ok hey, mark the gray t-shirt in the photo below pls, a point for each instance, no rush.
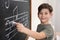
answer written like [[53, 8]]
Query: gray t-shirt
[[47, 28]]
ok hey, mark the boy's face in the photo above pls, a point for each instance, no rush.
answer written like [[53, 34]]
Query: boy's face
[[44, 15]]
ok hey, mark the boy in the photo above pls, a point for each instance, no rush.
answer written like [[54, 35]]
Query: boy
[[44, 30]]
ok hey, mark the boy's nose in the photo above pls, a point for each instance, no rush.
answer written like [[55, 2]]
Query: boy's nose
[[43, 15]]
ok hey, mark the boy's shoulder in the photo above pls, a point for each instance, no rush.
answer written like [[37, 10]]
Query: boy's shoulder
[[48, 26]]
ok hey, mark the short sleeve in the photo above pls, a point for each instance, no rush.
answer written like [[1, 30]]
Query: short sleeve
[[48, 31]]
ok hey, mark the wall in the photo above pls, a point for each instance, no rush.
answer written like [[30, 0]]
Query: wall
[[57, 16]]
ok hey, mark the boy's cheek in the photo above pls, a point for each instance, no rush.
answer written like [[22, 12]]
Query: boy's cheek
[[49, 16], [39, 17]]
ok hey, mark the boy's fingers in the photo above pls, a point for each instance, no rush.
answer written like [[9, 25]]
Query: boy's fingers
[[17, 23]]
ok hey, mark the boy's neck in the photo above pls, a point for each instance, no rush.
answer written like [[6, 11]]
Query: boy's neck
[[44, 22]]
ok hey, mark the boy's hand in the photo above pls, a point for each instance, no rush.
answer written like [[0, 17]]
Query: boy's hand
[[20, 27]]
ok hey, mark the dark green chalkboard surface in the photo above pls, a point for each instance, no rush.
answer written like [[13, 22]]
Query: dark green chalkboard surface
[[14, 10]]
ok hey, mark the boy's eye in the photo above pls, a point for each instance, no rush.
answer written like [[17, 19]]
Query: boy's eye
[[43, 13], [46, 13]]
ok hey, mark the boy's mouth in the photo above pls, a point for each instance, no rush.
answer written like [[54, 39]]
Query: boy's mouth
[[43, 18]]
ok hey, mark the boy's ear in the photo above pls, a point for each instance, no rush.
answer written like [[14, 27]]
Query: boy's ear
[[51, 13], [38, 16]]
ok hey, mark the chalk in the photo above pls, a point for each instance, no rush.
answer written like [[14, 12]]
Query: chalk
[[13, 22]]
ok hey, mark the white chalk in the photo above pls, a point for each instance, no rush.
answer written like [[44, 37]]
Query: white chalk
[[13, 22]]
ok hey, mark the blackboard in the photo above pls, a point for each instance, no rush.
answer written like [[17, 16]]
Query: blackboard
[[14, 10]]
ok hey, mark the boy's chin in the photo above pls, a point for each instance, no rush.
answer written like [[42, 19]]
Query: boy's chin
[[43, 21]]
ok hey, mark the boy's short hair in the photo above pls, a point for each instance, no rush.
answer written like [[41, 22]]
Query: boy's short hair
[[45, 6]]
